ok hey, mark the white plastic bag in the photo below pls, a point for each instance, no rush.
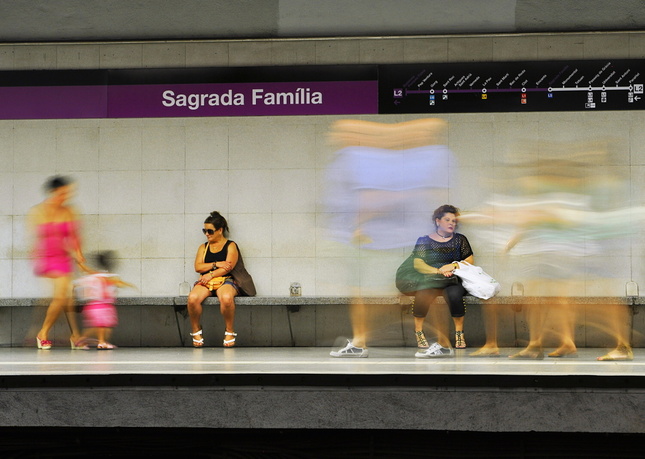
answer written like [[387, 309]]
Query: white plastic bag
[[476, 281]]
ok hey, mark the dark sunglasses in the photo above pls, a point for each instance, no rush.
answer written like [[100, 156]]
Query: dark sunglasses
[[208, 231]]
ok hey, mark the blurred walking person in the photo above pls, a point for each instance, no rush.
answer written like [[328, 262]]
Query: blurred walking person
[[56, 245]]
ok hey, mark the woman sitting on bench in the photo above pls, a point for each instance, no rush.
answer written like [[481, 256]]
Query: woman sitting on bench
[[222, 273]]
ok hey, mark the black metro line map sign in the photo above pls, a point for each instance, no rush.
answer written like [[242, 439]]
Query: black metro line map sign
[[512, 87]]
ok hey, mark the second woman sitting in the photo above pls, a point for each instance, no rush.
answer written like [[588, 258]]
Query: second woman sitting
[[437, 254], [222, 273]]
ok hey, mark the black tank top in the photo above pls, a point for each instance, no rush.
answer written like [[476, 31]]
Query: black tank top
[[211, 257]]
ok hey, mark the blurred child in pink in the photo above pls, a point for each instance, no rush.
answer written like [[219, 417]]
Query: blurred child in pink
[[99, 290]]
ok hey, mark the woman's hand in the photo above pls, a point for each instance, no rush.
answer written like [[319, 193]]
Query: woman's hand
[[227, 265], [447, 270], [205, 278], [84, 268], [79, 257]]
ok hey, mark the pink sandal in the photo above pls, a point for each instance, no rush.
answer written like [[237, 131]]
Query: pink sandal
[[81, 344], [43, 343]]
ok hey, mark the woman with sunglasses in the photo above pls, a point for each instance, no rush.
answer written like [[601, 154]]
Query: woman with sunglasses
[[222, 273]]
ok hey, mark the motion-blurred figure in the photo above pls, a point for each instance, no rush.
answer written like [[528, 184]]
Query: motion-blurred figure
[[99, 290], [54, 228], [554, 215], [381, 189]]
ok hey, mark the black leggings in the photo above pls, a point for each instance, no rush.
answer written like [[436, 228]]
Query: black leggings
[[453, 294]]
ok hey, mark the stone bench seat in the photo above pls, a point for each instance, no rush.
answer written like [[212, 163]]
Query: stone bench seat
[[304, 320], [328, 300]]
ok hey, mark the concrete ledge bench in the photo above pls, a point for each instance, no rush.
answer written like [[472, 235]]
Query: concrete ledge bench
[[301, 321], [157, 321], [328, 300]]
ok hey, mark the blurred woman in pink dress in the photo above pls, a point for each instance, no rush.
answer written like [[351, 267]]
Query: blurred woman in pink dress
[[54, 228]]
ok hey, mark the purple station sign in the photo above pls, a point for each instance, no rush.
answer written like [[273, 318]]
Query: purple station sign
[[199, 92], [243, 99], [52, 102]]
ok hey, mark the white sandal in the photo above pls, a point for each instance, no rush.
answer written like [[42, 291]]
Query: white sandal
[[229, 342], [197, 342]]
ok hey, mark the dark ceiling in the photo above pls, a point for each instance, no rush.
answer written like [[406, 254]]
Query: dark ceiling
[[137, 20]]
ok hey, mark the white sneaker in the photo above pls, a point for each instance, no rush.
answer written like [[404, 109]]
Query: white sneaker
[[350, 351], [435, 351]]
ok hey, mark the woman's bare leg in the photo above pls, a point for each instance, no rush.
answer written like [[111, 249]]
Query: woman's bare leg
[[459, 327], [195, 299], [490, 347], [564, 316], [535, 316], [60, 302], [618, 324], [226, 294], [360, 319]]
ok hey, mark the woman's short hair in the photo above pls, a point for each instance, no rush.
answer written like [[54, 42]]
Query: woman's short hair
[[443, 210], [216, 219]]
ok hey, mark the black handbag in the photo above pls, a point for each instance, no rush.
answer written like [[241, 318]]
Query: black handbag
[[409, 280]]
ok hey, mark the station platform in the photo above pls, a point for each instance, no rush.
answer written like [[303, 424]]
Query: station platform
[[287, 388], [300, 402]]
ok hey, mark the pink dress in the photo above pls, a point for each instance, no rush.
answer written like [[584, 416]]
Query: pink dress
[[55, 240], [100, 295]]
